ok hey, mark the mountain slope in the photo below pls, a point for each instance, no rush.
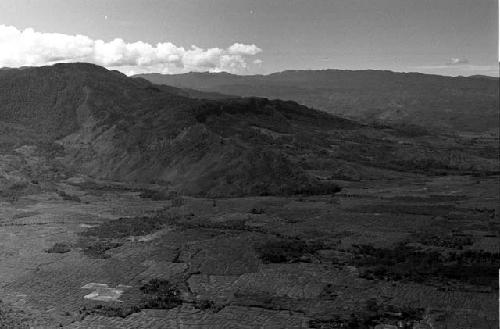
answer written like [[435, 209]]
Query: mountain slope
[[114, 127], [452, 103], [106, 125]]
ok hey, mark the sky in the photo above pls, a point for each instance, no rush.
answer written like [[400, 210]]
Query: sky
[[448, 37]]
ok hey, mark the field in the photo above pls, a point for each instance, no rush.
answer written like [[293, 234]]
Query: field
[[413, 252]]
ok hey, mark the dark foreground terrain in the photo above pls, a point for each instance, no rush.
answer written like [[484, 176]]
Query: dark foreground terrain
[[129, 205]]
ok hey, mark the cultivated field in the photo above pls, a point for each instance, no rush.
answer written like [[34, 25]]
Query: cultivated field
[[413, 252]]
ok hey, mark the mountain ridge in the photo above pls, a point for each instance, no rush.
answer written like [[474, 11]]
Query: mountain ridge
[[432, 101], [108, 126]]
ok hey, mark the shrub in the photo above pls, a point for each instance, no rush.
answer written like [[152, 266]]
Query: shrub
[[256, 211], [205, 304], [160, 294]]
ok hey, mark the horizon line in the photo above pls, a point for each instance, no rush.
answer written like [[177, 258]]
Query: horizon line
[[259, 74]]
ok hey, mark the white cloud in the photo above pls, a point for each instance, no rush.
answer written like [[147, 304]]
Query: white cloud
[[258, 61], [241, 49], [30, 48]]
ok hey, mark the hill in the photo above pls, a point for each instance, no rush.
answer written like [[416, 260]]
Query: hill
[[431, 101], [129, 204], [106, 125]]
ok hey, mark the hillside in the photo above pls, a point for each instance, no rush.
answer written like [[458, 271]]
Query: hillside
[[432, 101], [106, 125], [129, 204]]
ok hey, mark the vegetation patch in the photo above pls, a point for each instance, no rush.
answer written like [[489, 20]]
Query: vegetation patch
[[207, 305], [410, 264], [257, 211], [452, 241], [160, 294], [329, 292], [25, 214], [157, 195], [13, 192], [97, 249], [94, 186], [426, 210], [264, 300], [59, 248], [288, 251], [319, 189], [109, 310], [428, 199], [68, 197], [125, 227], [373, 314], [96, 241], [231, 224]]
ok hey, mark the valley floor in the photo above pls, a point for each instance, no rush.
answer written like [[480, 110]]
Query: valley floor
[[417, 252]]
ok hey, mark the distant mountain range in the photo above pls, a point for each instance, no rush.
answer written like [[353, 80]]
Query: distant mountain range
[[431, 101], [104, 124]]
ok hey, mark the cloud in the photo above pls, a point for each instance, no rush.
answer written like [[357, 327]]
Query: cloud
[[30, 48], [241, 49], [457, 61], [258, 61]]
